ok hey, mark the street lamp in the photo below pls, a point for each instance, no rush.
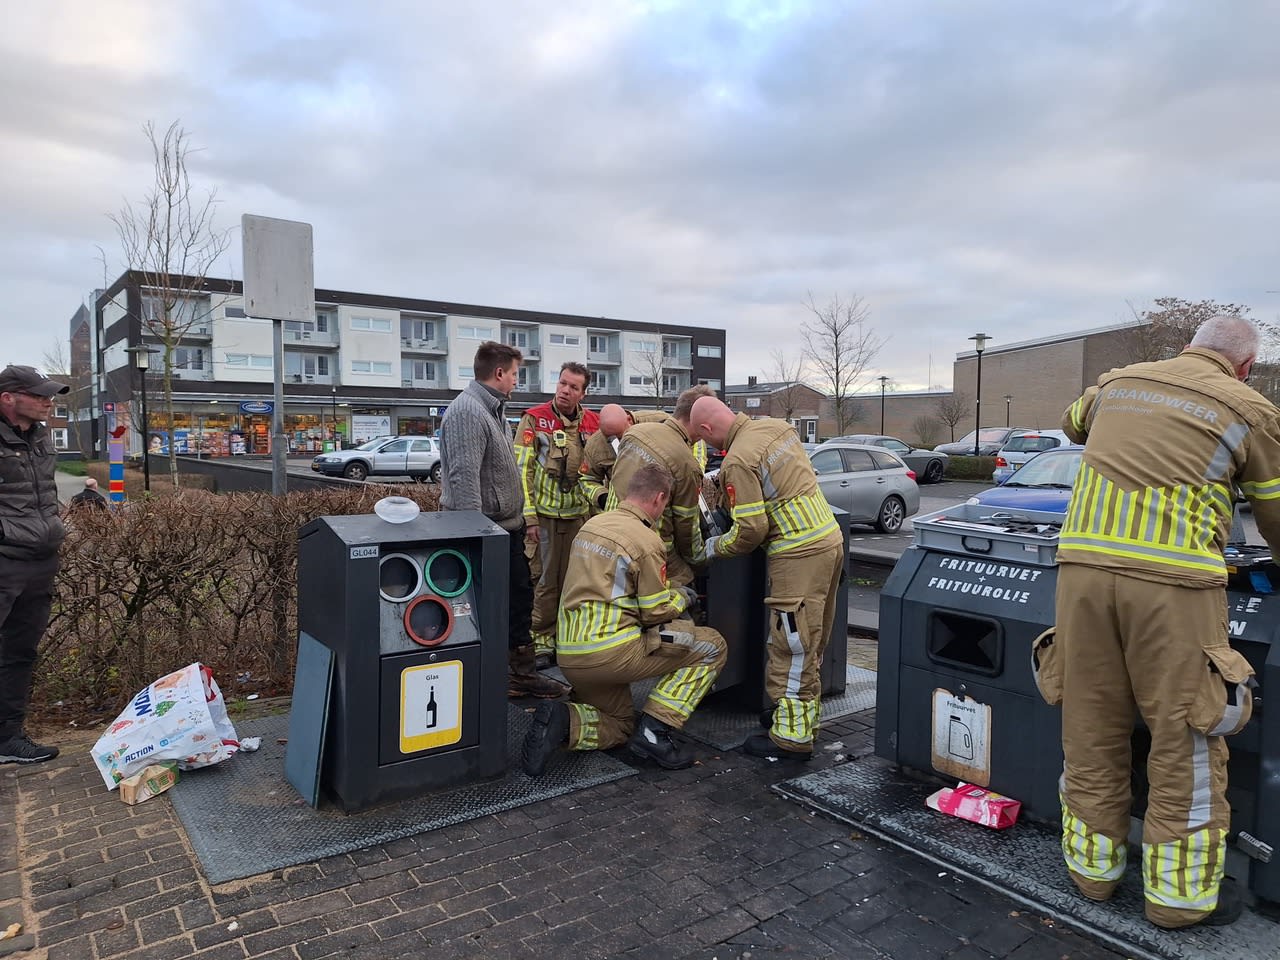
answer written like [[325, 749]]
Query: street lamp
[[335, 417], [142, 360], [883, 380], [1008, 400], [979, 344]]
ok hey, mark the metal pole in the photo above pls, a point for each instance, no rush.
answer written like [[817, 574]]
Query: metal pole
[[335, 417], [977, 413], [279, 442], [883, 381], [1008, 401], [146, 437]]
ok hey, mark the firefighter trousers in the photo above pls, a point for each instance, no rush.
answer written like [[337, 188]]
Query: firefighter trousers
[[802, 587], [602, 714], [554, 540], [1137, 647]]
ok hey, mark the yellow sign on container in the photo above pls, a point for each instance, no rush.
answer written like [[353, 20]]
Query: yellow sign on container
[[430, 706]]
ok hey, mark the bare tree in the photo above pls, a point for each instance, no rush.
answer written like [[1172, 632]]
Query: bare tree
[[952, 408], [839, 345], [168, 237], [57, 358], [1162, 332], [788, 374], [652, 365], [927, 430]]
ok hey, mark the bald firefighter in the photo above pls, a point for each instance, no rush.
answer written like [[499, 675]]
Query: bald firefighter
[[621, 621], [772, 494], [669, 444], [549, 443], [1141, 618], [599, 452]]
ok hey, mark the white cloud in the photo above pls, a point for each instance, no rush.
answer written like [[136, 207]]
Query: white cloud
[[1018, 167]]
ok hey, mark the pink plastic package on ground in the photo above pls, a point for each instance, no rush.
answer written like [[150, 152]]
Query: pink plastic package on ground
[[977, 804]]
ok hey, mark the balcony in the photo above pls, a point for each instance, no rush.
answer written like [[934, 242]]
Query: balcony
[[677, 360], [308, 378], [413, 345], [183, 373], [201, 331], [310, 338], [423, 385], [604, 358]]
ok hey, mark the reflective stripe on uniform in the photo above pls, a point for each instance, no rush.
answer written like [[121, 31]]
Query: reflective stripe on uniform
[[796, 721], [1077, 415], [792, 523], [1185, 874], [1172, 526], [1261, 489], [544, 496], [592, 627], [1090, 854], [588, 727], [682, 691]]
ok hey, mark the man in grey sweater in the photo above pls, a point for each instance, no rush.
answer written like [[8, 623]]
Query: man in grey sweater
[[478, 472]]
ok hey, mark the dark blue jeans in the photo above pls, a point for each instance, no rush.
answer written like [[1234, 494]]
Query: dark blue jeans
[[520, 589], [26, 594]]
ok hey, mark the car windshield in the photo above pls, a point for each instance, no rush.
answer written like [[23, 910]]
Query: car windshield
[[992, 435], [1057, 470], [373, 444], [1030, 444]]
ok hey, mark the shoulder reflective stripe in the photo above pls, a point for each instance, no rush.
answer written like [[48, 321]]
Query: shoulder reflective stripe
[[1077, 420], [1220, 465]]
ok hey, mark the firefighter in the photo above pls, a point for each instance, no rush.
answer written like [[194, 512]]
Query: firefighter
[[669, 444], [549, 443], [1141, 615], [621, 621], [600, 450], [771, 492]]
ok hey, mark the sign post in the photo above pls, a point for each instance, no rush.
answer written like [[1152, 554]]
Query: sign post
[[279, 285]]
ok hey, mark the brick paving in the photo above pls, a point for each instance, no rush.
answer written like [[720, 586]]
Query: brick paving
[[701, 863]]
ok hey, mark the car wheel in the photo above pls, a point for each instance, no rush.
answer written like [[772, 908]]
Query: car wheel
[[355, 471], [933, 471], [435, 474], [892, 512]]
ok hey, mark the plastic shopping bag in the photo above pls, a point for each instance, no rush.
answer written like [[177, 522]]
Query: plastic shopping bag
[[181, 717]]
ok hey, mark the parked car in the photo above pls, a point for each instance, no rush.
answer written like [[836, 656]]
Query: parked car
[[416, 457], [1043, 484], [990, 440], [872, 484], [929, 465], [1021, 447]]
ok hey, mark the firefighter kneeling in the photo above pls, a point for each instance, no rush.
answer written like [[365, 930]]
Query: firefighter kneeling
[[620, 621]]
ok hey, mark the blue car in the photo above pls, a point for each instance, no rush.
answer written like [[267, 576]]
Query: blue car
[[1043, 484]]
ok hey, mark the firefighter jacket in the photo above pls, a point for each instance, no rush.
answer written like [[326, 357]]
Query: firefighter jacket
[[599, 454], [30, 527], [667, 444], [549, 454], [1165, 443], [616, 590], [771, 491]]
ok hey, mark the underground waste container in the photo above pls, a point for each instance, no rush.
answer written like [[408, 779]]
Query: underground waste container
[[955, 695], [735, 590], [415, 615]]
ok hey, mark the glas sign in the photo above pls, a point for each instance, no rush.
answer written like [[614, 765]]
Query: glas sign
[[257, 406]]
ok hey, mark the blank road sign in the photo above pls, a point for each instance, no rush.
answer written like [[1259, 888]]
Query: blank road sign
[[279, 269]]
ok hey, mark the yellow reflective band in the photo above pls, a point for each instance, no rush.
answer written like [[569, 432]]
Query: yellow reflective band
[[1261, 489], [683, 690], [1077, 414], [796, 721], [1185, 874], [588, 727], [1090, 854], [749, 509]]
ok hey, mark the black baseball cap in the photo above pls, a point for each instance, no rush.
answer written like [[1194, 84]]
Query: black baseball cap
[[17, 378]]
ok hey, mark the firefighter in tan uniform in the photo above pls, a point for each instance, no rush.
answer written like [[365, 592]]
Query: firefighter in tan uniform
[[772, 494], [1141, 616], [669, 444], [549, 443], [621, 621], [600, 450]]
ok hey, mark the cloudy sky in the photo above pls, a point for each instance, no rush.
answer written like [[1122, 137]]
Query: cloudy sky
[[1020, 168]]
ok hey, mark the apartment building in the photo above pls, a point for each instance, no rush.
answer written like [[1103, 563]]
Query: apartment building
[[365, 365]]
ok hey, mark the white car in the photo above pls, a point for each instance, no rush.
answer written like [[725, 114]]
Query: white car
[[871, 483], [1024, 446], [416, 457]]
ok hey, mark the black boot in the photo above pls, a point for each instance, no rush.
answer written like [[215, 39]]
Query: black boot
[[766, 717], [652, 740], [524, 680], [20, 748], [762, 745], [549, 732], [1230, 906]]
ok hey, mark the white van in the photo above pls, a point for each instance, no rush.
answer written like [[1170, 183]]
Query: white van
[[1023, 446]]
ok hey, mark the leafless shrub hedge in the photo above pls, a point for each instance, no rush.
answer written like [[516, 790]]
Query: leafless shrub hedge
[[166, 581]]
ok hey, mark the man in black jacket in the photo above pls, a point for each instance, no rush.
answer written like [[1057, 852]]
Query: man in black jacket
[[30, 534], [89, 498]]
